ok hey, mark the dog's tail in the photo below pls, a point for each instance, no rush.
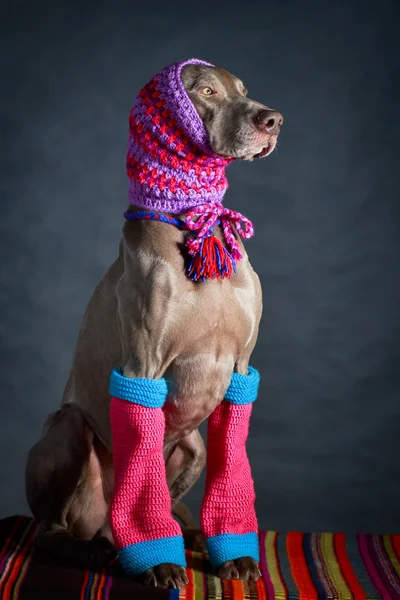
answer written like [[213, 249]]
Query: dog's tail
[[183, 513]]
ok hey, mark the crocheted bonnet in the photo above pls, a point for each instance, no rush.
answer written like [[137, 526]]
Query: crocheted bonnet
[[170, 164], [173, 169]]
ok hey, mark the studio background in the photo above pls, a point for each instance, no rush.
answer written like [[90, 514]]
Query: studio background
[[324, 438]]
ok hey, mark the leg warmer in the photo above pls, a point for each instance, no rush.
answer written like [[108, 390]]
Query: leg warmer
[[144, 530], [228, 518]]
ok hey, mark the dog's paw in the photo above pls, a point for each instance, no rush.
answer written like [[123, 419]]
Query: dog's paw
[[166, 575], [241, 568]]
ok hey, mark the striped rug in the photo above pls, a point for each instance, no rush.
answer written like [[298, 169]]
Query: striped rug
[[304, 566]]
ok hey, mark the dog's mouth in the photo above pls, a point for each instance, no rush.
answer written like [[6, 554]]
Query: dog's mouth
[[265, 151], [261, 148], [258, 149]]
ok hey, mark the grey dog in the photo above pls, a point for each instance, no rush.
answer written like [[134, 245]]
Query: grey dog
[[69, 474]]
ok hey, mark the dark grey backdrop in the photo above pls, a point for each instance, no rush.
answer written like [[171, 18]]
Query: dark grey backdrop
[[324, 441]]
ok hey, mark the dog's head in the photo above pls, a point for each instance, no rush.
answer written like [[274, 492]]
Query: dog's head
[[237, 127], [187, 124]]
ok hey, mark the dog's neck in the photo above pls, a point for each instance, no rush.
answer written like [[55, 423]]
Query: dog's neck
[[170, 165]]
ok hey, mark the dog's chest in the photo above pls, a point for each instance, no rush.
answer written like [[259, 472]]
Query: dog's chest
[[218, 315], [192, 333], [213, 329]]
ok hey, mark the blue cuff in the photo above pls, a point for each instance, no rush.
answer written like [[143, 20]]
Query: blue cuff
[[137, 558], [148, 392], [228, 546], [243, 389]]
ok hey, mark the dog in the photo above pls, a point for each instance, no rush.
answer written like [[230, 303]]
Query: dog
[[142, 316]]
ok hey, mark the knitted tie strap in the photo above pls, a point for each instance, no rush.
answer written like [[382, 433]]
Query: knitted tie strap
[[147, 215], [228, 518], [144, 531], [207, 215], [210, 259]]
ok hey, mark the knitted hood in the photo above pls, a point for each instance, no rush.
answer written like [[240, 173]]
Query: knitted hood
[[170, 164]]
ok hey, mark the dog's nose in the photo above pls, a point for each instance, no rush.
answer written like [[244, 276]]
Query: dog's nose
[[270, 119]]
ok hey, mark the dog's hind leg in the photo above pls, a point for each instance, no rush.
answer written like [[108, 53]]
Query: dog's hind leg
[[65, 490]]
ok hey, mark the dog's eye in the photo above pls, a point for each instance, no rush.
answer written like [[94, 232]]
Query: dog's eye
[[207, 91]]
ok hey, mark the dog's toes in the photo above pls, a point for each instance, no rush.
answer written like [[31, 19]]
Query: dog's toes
[[166, 575], [241, 568], [149, 578], [248, 569], [228, 570]]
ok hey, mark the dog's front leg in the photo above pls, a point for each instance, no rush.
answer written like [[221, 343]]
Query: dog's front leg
[[149, 540], [228, 517]]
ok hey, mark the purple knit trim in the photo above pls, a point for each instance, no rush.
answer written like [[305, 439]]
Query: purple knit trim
[[175, 95], [165, 201]]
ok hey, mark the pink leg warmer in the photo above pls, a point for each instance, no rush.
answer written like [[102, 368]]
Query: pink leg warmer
[[144, 530], [228, 517]]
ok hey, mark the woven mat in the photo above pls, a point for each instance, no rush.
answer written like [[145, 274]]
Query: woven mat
[[294, 565]]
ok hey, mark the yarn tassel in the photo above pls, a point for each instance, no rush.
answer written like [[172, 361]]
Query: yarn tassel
[[212, 260]]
